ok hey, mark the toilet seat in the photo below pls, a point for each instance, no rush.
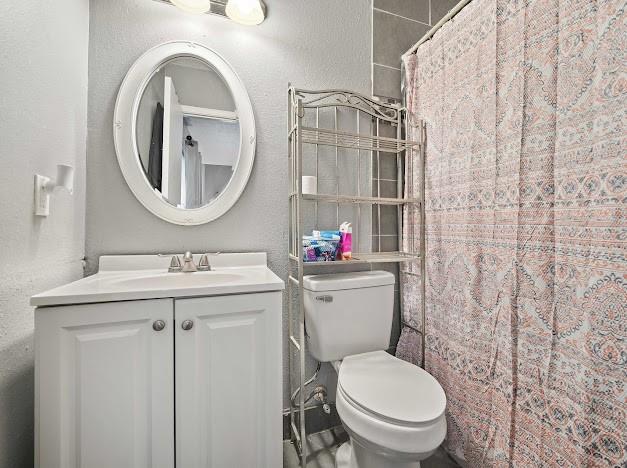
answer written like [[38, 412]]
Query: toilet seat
[[390, 389], [391, 404]]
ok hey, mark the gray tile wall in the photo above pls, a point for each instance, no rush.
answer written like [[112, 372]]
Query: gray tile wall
[[384, 184], [385, 218], [396, 26]]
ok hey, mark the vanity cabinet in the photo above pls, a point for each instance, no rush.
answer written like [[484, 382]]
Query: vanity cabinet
[[132, 383], [104, 395], [228, 381]]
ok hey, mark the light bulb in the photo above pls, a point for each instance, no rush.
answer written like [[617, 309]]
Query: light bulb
[[248, 12], [193, 6]]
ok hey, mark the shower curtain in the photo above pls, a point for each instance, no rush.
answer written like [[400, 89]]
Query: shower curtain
[[526, 185]]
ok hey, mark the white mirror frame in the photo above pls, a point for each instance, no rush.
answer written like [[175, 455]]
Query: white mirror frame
[[125, 128]]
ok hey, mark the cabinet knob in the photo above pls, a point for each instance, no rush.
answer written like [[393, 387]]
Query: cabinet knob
[[158, 325], [187, 324]]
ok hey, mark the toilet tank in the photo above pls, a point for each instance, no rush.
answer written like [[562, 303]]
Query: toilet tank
[[348, 313]]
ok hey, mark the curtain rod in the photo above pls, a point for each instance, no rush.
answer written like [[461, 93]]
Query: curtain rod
[[456, 9]]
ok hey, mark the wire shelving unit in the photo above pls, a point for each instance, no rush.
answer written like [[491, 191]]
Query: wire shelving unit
[[315, 119]]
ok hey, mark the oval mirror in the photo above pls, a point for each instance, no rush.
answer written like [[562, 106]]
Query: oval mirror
[[184, 133]]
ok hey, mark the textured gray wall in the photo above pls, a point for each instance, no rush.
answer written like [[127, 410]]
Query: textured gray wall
[[43, 112], [313, 44]]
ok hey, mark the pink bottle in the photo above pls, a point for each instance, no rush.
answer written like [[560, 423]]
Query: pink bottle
[[346, 242]]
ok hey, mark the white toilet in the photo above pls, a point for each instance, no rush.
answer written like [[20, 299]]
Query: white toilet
[[392, 410]]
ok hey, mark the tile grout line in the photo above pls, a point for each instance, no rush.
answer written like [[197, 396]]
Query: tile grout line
[[372, 47], [400, 16], [386, 66]]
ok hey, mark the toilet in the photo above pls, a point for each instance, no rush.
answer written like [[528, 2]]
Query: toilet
[[393, 411]]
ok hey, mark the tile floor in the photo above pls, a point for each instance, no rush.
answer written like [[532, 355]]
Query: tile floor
[[322, 447]]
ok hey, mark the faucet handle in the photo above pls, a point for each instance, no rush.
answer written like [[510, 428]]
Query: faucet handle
[[203, 264], [188, 256], [175, 264]]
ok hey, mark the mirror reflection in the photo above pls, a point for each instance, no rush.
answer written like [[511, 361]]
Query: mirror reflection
[[188, 134]]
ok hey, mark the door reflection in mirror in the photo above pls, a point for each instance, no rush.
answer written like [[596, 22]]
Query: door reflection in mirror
[[188, 133]]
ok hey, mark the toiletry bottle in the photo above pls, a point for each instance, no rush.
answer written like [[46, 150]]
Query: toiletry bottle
[[346, 242]]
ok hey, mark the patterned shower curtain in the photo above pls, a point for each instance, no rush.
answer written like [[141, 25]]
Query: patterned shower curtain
[[526, 185]]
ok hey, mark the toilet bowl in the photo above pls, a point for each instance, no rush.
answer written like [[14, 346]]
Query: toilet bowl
[[392, 410]]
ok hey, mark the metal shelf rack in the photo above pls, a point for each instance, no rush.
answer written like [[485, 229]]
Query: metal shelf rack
[[314, 121]]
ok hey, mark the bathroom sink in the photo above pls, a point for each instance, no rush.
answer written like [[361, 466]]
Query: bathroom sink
[[169, 280], [133, 277]]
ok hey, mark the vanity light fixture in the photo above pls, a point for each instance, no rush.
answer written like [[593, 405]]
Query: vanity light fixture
[[193, 6], [248, 12]]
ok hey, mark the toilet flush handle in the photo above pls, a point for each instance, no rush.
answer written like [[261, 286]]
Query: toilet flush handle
[[325, 298]]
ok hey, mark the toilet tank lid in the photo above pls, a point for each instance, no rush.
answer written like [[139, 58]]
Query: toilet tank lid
[[353, 280]]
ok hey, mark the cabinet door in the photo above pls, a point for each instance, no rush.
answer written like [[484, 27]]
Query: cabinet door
[[104, 381], [228, 381]]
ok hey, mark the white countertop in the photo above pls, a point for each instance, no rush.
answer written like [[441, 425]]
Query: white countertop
[[133, 277]]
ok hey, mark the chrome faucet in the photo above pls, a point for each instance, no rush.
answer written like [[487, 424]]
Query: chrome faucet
[[188, 265]]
